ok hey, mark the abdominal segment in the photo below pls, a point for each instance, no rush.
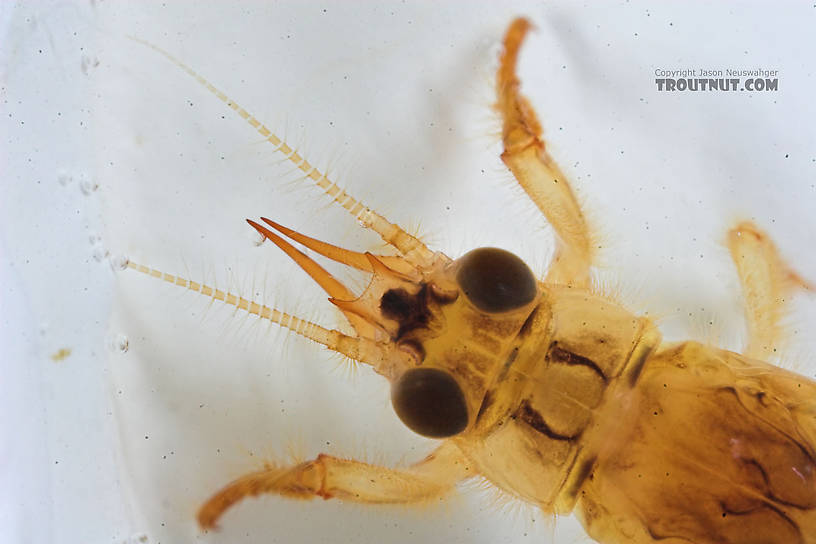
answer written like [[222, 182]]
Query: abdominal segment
[[721, 452]]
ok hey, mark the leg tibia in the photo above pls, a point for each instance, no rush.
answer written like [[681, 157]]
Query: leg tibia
[[330, 477], [537, 173]]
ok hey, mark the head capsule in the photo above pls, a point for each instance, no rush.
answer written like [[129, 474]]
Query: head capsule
[[439, 330], [457, 327]]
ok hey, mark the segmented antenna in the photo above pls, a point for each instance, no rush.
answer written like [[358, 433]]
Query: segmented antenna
[[360, 349], [409, 246]]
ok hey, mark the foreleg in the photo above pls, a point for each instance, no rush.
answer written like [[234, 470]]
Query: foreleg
[[537, 173], [348, 480]]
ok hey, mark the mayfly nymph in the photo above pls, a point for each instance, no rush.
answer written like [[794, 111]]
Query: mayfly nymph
[[551, 392]]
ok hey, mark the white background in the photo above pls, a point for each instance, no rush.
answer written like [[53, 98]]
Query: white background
[[108, 149]]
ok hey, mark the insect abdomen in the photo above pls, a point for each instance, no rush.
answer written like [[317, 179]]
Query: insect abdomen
[[721, 452]]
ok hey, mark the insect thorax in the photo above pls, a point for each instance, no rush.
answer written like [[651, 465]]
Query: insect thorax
[[578, 356]]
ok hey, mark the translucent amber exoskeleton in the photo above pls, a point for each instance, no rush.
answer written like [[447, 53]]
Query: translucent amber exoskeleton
[[547, 389]]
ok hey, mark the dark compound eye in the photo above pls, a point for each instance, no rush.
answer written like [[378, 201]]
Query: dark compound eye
[[495, 280], [430, 403]]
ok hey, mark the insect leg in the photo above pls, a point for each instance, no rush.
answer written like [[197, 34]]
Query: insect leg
[[536, 172], [349, 480], [766, 282]]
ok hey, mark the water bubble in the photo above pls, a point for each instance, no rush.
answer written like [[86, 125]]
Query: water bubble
[[257, 238], [100, 253], [88, 62], [119, 343], [119, 263], [88, 186], [64, 178]]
